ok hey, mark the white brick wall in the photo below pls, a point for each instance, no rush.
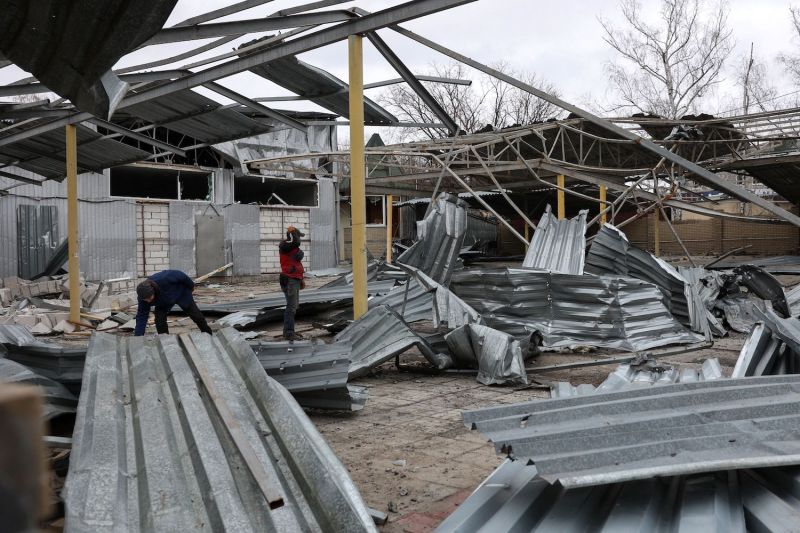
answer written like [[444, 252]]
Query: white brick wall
[[152, 238], [273, 223]]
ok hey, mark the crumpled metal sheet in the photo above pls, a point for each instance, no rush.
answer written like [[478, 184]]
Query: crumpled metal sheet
[[629, 375], [313, 372], [16, 335], [441, 235], [422, 298], [57, 399], [307, 296], [773, 347], [378, 336], [496, 355], [558, 245], [515, 498], [678, 429], [612, 254], [51, 360], [765, 286], [154, 446], [707, 283], [793, 300], [739, 311], [567, 310]]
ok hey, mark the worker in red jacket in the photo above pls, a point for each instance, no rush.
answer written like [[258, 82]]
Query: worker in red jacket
[[291, 278]]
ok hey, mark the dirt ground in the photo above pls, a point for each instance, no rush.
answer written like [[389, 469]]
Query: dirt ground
[[408, 451]]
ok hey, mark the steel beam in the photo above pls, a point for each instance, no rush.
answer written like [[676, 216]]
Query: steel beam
[[137, 77], [420, 77], [221, 12], [240, 27], [138, 136], [708, 176], [22, 178], [307, 7], [371, 22], [255, 106], [412, 81]]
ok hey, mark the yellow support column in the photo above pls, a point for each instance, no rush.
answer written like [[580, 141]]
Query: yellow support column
[[72, 225], [603, 217], [389, 200], [657, 235], [357, 171], [561, 207]]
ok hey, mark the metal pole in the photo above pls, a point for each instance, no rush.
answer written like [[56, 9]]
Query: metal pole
[[560, 194], [357, 175], [388, 228], [603, 217], [72, 225]]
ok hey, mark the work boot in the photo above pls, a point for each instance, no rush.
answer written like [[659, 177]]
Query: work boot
[[292, 336]]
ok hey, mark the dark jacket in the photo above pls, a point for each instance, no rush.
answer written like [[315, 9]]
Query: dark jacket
[[174, 287], [291, 256]]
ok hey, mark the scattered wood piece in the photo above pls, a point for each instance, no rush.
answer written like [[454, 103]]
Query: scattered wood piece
[[213, 273]]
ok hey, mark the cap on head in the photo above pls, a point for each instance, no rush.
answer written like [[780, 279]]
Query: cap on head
[[145, 290], [292, 229]]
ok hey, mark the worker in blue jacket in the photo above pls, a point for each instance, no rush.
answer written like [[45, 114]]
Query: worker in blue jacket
[[164, 290]]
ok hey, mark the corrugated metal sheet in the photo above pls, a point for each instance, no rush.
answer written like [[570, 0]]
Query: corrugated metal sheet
[[421, 298], [441, 235], [378, 336], [174, 434], [322, 220], [198, 117], [315, 373], [319, 86], [514, 498], [51, 193], [611, 253], [223, 186], [45, 154], [793, 299], [37, 238], [772, 348], [57, 399], [558, 245], [181, 235], [496, 355], [107, 236], [676, 429], [480, 230], [567, 310], [278, 300], [242, 239], [629, 375]]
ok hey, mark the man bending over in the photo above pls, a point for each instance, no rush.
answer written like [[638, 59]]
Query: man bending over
[[163, 290]]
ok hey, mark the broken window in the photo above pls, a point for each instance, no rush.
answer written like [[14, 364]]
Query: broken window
[[267, 190], [376, 210], [135, 181]]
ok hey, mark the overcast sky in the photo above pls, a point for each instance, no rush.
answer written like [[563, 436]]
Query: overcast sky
[[559, 41]]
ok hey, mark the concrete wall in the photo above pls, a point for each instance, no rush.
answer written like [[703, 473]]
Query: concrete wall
[[152, 237], [273, 223]]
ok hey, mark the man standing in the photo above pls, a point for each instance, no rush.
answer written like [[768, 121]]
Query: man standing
[[164, 290], [291, 278]]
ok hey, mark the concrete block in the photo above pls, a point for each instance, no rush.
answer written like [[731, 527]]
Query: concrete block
[[41, 329], [6, 297], [64, 327]]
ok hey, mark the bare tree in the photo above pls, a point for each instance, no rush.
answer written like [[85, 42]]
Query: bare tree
[[671, 63], [508, 105], [489, 101], [792, 61], [753, 83], [460, 101]]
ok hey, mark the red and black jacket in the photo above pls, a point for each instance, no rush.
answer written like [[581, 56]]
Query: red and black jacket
[[291, 256]]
